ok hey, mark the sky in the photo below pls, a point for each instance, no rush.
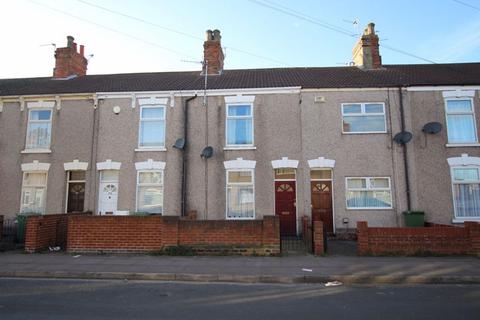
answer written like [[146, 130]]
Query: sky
[[167, 35]]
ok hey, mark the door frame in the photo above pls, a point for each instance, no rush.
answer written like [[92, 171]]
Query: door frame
[[296, 196], [68, 188], [333, 193]]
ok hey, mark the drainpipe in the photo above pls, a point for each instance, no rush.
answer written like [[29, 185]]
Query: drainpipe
[[404, 146], [184, 155]]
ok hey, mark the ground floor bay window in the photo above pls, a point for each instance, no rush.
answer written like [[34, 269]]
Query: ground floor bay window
[[240, 194], [34, 192], [466, 193]]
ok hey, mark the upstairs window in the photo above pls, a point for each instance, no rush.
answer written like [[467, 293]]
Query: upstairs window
[[363, 118], [369, 193], [39, 129], [152, 127], [461, 126], [240, 194], [34, 192], [240, 125]]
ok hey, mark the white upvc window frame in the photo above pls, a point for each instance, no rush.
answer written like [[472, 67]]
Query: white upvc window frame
[[45, 187], [141, 120], [364, 114], [456, 218], [251, 116], [162, 185], [369, 188], [30, 121], [227, 184], [472, 113]]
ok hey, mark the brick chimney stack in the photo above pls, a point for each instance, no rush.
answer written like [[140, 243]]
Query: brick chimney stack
[[213, 53], [68, 61], [366, 53]]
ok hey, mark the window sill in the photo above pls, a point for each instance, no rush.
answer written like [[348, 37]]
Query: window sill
[[453, 145], [376, 209], [227, 218], [369, 132], [459, 220], [150, 149], [36, 151], [240, 148]]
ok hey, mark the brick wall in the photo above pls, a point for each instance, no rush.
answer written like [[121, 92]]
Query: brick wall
[[411, 241], [45, 231], [318, 238], [155, 233], [1, 227]]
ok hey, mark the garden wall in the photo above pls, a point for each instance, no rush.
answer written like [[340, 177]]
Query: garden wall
[[43, 231], [155, 233], [414, 241]]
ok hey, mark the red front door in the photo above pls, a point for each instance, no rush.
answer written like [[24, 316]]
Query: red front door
[[285, 207], [322, 209]]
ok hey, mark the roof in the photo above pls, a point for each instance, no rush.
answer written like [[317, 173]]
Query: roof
[[330, 77]]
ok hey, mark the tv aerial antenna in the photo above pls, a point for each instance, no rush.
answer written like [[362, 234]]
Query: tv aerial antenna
[[355, 24], [204, 64]]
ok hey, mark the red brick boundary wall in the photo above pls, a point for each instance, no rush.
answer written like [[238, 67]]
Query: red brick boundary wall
[[117, 234], [412, 241], [1, 227], [43, 231], [318, 240]]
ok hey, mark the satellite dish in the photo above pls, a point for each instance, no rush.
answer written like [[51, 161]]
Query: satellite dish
[[180, 144], [403, 137], [207, 152], [432, 127]]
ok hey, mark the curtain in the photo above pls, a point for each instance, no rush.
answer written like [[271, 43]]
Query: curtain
[[239, 131], [240, 201], [369, 199], [461, 128], [467, 200]]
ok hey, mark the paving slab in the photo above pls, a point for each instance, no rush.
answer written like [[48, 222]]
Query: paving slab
[[289, 269]]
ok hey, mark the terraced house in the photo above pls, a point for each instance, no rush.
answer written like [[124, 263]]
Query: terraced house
[[341, 144]]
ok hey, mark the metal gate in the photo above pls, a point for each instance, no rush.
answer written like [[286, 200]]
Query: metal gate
[[298, 244], [12, 237]]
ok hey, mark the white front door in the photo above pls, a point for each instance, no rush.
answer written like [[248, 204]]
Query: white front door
[[108, 192]]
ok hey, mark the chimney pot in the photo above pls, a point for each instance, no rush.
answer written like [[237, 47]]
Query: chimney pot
[[70, 40], [82, 50], [370, 28], [208, 35], [216, 35]]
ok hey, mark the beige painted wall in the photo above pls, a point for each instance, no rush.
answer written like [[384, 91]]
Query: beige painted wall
[[71, 139], [431, 170], [286, 125]]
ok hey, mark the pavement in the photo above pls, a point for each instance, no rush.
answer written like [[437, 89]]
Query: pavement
[[286, 269]]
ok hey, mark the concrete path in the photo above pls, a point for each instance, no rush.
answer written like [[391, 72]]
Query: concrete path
[[290, 269]]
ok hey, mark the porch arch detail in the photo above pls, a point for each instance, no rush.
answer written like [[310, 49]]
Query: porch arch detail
[[109, 165], [35, 166], [150, 165], [321, 162], [75, 165], [464, 160], [239, 163], [285, 163]]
